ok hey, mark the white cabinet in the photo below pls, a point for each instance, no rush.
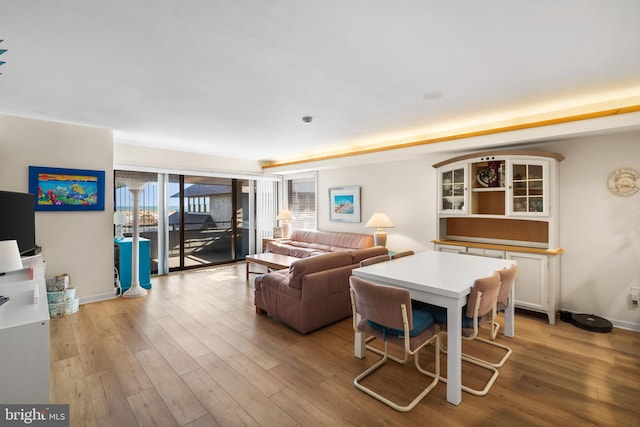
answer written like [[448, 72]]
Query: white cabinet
[[453, 186], [449, 248], [24, 338], [497, 185], [533, 290], [504, 203], [528, 188], [535, 287], [492, 253]]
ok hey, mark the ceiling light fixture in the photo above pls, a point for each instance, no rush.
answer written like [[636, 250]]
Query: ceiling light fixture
[[429, 96], [307, 119]]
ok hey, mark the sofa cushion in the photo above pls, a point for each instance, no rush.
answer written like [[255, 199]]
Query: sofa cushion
[[306, 243], [333, 239], [309, 265], [285, 248]]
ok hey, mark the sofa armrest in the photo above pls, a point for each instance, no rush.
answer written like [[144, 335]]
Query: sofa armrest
[[325, 298], [299, 269], [277, 279], [271, 288]]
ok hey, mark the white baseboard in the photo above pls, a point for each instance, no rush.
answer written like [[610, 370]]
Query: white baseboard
[[626, 325], [96, 298]]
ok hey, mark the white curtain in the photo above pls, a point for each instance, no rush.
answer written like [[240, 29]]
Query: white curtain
[[266, 210]]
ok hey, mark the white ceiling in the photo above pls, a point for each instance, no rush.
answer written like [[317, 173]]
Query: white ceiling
[[234, 78]]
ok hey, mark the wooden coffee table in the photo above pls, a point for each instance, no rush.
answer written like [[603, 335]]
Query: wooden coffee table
[[270, 260]]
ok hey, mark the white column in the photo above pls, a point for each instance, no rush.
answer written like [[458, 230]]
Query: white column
[[135, 290]]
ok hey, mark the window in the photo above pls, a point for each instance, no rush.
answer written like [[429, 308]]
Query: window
[[191, 220], [300, 198]]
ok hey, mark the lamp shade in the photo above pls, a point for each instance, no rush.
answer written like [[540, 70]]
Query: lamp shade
[[379, 220], [285, 214], [119, 218], [9, 256]]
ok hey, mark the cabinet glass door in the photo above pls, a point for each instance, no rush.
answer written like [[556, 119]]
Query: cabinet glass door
[[453, 189], [528, 188]]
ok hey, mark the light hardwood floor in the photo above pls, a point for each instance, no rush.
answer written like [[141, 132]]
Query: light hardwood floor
[[194, 353]]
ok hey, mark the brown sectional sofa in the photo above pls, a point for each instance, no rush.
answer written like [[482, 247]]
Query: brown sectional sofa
[[305, 243], [314, 291]]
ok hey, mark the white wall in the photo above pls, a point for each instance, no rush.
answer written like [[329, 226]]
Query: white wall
[[404, 190], [77, 243], [600, 232], [138, 157]]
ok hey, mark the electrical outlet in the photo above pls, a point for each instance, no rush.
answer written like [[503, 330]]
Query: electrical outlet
[[634, 293]]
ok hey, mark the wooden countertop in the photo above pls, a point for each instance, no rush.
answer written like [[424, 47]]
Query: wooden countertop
[[510, 248]]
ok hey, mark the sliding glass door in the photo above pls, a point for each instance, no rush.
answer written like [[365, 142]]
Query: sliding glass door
[[203, 221]]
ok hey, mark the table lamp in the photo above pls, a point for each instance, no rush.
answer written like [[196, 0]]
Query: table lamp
[[119, 219], [285, 216], [9, 256], [379, 220]]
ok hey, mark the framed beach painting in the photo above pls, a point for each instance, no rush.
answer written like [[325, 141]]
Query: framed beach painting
[[344, 204], [59, 189]]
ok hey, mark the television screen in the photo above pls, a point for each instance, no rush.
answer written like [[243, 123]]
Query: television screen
[[17, 220]]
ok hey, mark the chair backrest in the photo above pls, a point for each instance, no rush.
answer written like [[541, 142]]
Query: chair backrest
[[381, 304], [483, 296], [402, 254], [507, 278], [374, 260]]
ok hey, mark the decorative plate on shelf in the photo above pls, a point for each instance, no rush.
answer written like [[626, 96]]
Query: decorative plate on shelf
[[487, 177], [624, 182]]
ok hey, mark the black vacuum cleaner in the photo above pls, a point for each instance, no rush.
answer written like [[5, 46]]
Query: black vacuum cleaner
[[590, 322]]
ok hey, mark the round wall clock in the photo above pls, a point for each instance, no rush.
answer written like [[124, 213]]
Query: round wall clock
[[624, 182]]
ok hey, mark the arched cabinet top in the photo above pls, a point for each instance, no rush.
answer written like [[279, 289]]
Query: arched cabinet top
[[504, 153]]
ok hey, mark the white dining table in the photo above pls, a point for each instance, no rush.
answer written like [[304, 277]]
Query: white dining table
[[442, 279]]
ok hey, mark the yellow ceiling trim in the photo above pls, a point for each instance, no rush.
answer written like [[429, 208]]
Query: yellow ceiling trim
[[483, 132]]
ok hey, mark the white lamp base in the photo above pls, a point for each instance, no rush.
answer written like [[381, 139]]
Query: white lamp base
[[286, 229], [380, 238], [135, 291], [119, 232]]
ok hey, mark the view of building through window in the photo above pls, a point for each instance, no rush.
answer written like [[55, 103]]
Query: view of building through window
[[207, 218]]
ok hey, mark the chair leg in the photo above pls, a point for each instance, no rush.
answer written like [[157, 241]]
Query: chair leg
[[423, 393], [435, 374], [495, 327], [502, 360], [497, 364], [382, 353], [481, 363], [488, 385], [368, 371]]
